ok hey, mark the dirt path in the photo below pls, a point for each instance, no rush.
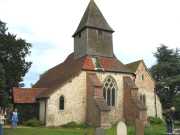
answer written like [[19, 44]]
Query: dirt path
[[9, 126], [176, 131]]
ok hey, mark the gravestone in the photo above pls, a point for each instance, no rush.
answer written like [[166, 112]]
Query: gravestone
[[121, 128], [139, 127], [100, 131]]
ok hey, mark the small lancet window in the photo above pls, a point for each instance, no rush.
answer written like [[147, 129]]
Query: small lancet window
[[141, 98], [61, 103]]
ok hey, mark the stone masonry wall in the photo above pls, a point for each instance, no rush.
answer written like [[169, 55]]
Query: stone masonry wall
[[146, 86], [143, 79], [150, 103], [74, 93]]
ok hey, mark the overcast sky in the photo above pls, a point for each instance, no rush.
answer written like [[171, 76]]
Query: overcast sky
[[140, 27]]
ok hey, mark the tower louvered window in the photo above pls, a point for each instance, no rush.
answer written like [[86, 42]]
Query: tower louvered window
[[110, 91]]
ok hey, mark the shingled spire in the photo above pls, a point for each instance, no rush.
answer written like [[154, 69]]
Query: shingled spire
[[93, 35], [93, 18]]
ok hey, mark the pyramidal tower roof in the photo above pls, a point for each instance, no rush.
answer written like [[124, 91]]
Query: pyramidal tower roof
[[93, 18]]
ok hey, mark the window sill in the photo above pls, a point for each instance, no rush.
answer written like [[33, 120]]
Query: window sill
[[61, 111]]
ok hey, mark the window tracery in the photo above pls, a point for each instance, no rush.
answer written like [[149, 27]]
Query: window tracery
[[110, 91]]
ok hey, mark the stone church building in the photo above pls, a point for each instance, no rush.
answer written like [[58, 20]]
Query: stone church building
[[92, 86]]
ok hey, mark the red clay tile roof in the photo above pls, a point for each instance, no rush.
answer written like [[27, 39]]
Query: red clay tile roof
[[26, 95], [61, 73], [71, 67], [113, 65], [134, 65]]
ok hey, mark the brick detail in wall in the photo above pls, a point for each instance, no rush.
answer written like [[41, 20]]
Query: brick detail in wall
[[97, 109], [133, 107]]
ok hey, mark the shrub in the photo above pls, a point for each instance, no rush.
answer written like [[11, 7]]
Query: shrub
[[75, 125], [33, 123], [156, 121]]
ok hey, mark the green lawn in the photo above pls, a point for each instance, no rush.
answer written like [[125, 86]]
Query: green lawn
[[155, 130], [47, 131], [151, 130]]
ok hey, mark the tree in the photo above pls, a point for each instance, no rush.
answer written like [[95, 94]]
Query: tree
[[176, 103], [13, 52], [167, 74], [3, 28], [2, 79]]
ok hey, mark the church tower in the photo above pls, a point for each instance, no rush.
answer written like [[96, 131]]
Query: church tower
[[93, 35]]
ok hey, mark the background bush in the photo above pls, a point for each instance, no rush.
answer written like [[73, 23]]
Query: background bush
[[156, 121], [33, 123], [75, 125]]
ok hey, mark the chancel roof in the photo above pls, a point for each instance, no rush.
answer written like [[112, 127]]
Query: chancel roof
[[71, 67]]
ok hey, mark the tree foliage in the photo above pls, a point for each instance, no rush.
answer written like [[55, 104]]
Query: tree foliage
[[167, 74], [2, 78], [13, 63], [176, 103]]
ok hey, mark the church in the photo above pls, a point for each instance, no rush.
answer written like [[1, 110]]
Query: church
[[92, 86]]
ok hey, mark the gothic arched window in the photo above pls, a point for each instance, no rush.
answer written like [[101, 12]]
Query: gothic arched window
[[144, 99], [61, 103], [109, 91]]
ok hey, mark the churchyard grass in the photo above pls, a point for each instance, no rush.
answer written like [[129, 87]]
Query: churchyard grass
[[154, 129], [47, 131]]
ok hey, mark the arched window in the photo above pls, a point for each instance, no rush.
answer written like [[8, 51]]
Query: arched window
[[109, 91], [141, 98], [144, 99], [61, 103]]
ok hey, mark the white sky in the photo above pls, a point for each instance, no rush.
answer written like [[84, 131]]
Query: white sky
[[140, 27]]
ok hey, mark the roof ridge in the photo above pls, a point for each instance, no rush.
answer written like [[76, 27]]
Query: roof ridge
[[135, 61]]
